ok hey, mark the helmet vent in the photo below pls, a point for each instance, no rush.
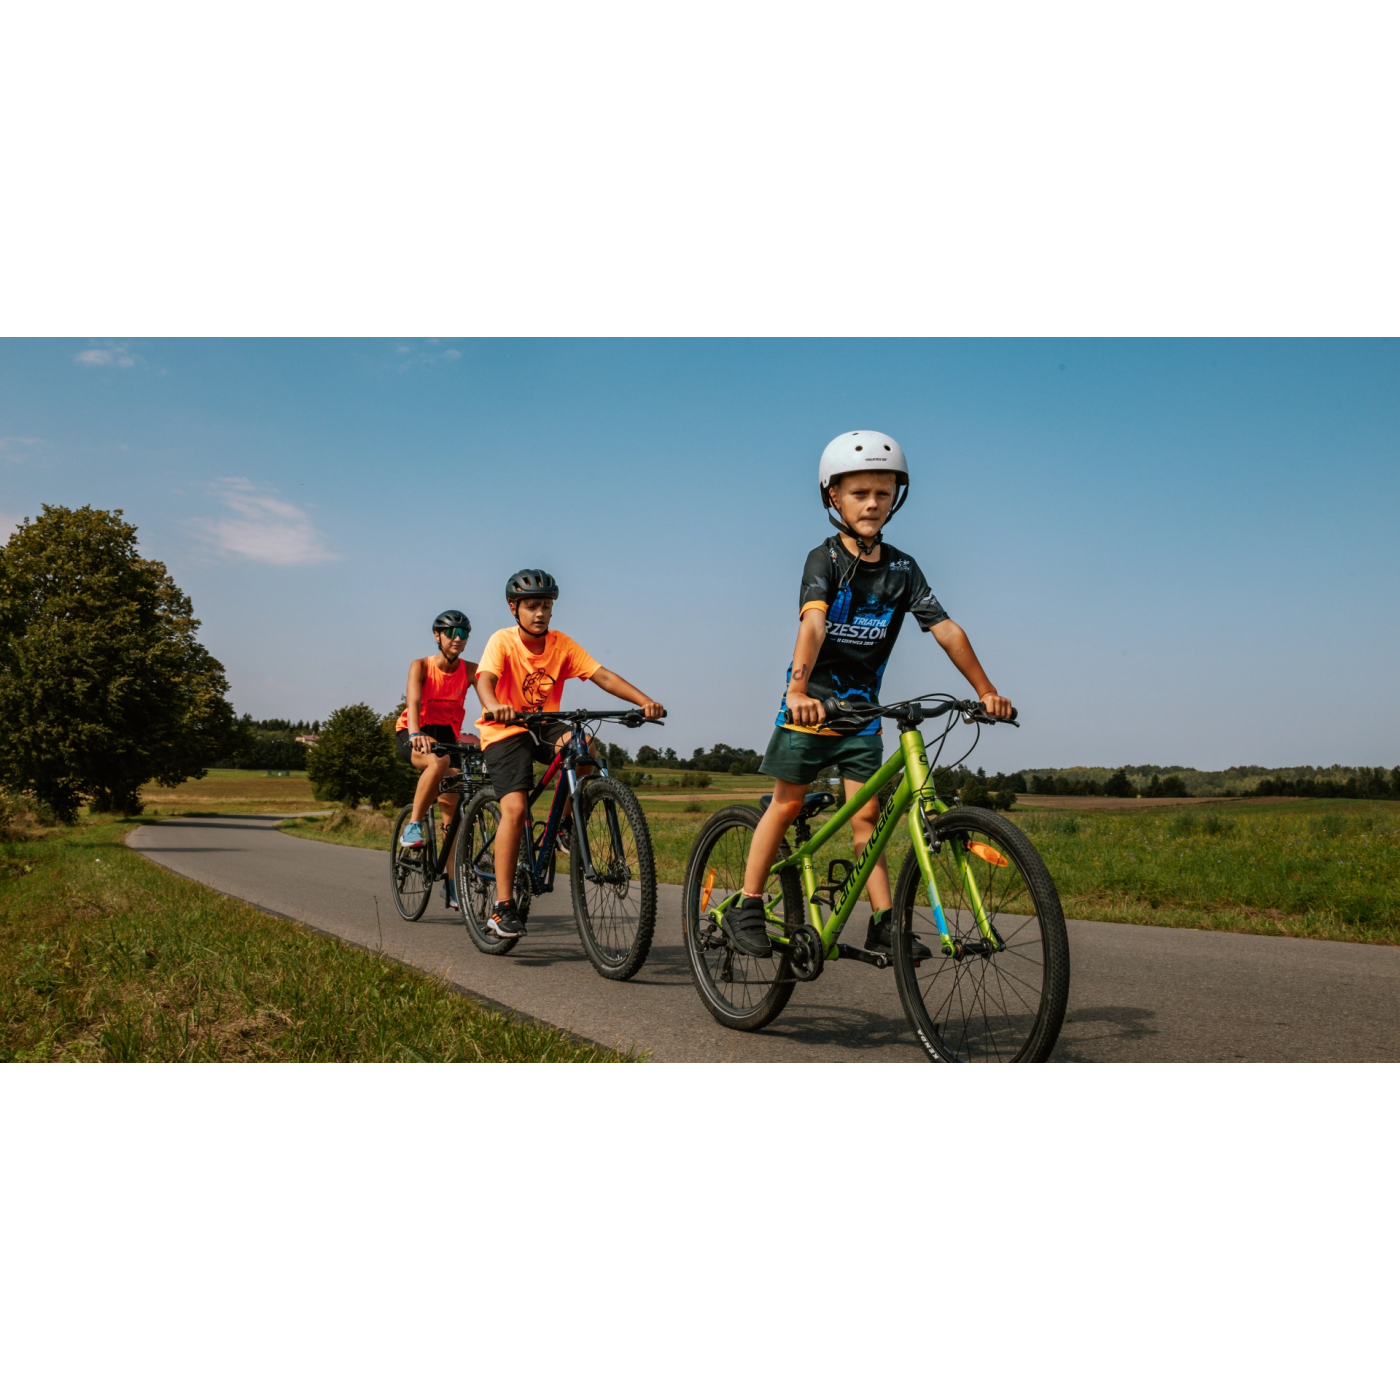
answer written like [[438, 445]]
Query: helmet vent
[[859, 448]]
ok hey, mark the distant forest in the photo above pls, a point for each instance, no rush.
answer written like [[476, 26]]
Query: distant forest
[[1151, 780], [267, 744]]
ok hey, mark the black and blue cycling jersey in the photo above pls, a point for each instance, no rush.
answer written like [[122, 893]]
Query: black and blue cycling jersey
[[865, 606]]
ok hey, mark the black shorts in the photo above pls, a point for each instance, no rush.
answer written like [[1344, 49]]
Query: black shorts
[[440, 733], [510, 763]]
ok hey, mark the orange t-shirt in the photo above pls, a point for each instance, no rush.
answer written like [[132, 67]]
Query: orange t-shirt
[[529, 682]]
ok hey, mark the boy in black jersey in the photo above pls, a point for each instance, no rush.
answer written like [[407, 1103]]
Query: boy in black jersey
[[855, 593]]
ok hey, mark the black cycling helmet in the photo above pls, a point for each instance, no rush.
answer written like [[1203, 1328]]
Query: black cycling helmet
[[531, 583], [452, 618]]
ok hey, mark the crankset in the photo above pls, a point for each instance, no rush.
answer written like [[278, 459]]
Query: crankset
[[806, 954]]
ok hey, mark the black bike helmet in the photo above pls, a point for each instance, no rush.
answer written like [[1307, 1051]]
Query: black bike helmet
[[452, 618], [531, 583]]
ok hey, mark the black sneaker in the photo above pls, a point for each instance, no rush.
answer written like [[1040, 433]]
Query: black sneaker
[[506, 922], [748, 929], [879, 938]]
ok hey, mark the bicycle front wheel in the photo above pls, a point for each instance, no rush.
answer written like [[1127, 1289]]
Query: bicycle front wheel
[[998, 995], [740, 992], [410, 872], [474, 869], [616, 909]]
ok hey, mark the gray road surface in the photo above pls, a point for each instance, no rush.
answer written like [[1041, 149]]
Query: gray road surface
[[1136, 993]]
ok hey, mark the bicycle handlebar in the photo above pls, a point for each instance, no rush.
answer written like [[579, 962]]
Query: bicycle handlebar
[[442, 750], [912, 711], [632, 719]]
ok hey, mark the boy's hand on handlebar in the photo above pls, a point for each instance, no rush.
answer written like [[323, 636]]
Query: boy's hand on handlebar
[[653, 709], [501, 714], [804, 710], [998, 706]]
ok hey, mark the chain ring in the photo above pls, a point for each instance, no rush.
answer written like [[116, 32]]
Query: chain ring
[[806, 954]]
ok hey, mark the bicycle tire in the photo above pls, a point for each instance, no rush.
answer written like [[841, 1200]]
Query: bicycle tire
[[410, 875], [1001, 1005], [616, 929], [476, 890], [749, 1000]]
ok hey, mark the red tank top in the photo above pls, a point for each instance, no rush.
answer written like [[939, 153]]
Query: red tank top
[[444, 698]]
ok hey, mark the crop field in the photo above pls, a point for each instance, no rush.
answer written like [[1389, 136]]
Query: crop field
[[106, 956], [230, 790]]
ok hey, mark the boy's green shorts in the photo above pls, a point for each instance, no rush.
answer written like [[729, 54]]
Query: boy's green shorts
[[798, 758]]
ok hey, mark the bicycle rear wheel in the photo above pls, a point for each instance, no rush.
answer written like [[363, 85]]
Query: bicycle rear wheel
[[740, 992], [616, 911], [410, 872], [474, 870], [993, 1001]]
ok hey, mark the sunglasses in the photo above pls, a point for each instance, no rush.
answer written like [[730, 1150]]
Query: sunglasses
[[455, 632]]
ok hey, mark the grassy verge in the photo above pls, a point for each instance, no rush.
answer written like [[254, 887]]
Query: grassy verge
[[1311, 869], [368, 830], [104, 956]]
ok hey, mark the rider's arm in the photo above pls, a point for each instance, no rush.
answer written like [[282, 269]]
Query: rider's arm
[[954, 641], [811, 633], [415, 697], [496, 712], [625, 690]]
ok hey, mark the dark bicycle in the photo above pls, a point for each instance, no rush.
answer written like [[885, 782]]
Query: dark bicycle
[[612, 875], [414, 871]]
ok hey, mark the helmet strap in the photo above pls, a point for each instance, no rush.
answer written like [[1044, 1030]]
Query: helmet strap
[[836, 519]]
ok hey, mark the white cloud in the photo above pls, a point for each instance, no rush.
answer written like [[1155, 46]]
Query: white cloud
[[118, 355], [262, 526], [14, 450]]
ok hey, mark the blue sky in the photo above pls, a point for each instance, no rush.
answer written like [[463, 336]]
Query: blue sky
[[1164, 551]]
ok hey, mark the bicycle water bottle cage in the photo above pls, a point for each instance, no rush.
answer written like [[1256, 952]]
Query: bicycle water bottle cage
[[835, 879]]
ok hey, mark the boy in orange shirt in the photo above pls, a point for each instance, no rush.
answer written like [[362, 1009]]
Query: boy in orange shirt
[[523, 670]]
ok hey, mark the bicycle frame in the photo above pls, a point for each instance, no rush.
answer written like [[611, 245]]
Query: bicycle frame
[[461, 786], [912, 758], [540, 857]]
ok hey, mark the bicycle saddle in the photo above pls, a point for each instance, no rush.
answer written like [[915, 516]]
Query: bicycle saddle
[[811, 804]]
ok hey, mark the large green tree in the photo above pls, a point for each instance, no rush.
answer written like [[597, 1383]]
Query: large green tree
[[354, 760], [103, 686]]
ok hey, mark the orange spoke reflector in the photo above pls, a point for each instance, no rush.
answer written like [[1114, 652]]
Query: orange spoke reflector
[[992, 857], [705, 894]]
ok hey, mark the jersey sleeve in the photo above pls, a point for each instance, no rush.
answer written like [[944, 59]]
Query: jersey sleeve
[[818, 581], [927, 610], [577, 662], [493, 658]]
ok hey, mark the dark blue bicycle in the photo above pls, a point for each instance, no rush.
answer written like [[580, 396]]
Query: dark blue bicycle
[[612, 875]]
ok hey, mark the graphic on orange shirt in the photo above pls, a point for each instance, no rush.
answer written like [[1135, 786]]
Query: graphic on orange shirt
[[536, 688]]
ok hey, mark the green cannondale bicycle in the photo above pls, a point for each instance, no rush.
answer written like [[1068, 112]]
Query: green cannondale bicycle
[[972, 888]]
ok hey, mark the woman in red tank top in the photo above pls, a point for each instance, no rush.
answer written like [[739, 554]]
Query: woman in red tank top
[[437, 703]]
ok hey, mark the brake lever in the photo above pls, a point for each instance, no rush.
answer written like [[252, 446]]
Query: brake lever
[[977, 714]]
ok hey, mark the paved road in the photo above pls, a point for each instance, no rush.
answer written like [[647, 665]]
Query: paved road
[[1137, 993]]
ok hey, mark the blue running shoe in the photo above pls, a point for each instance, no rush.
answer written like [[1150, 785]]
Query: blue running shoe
[[412, 837]]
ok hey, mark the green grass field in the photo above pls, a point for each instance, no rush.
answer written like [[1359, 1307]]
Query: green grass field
[[105, 956], [231, 790]]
